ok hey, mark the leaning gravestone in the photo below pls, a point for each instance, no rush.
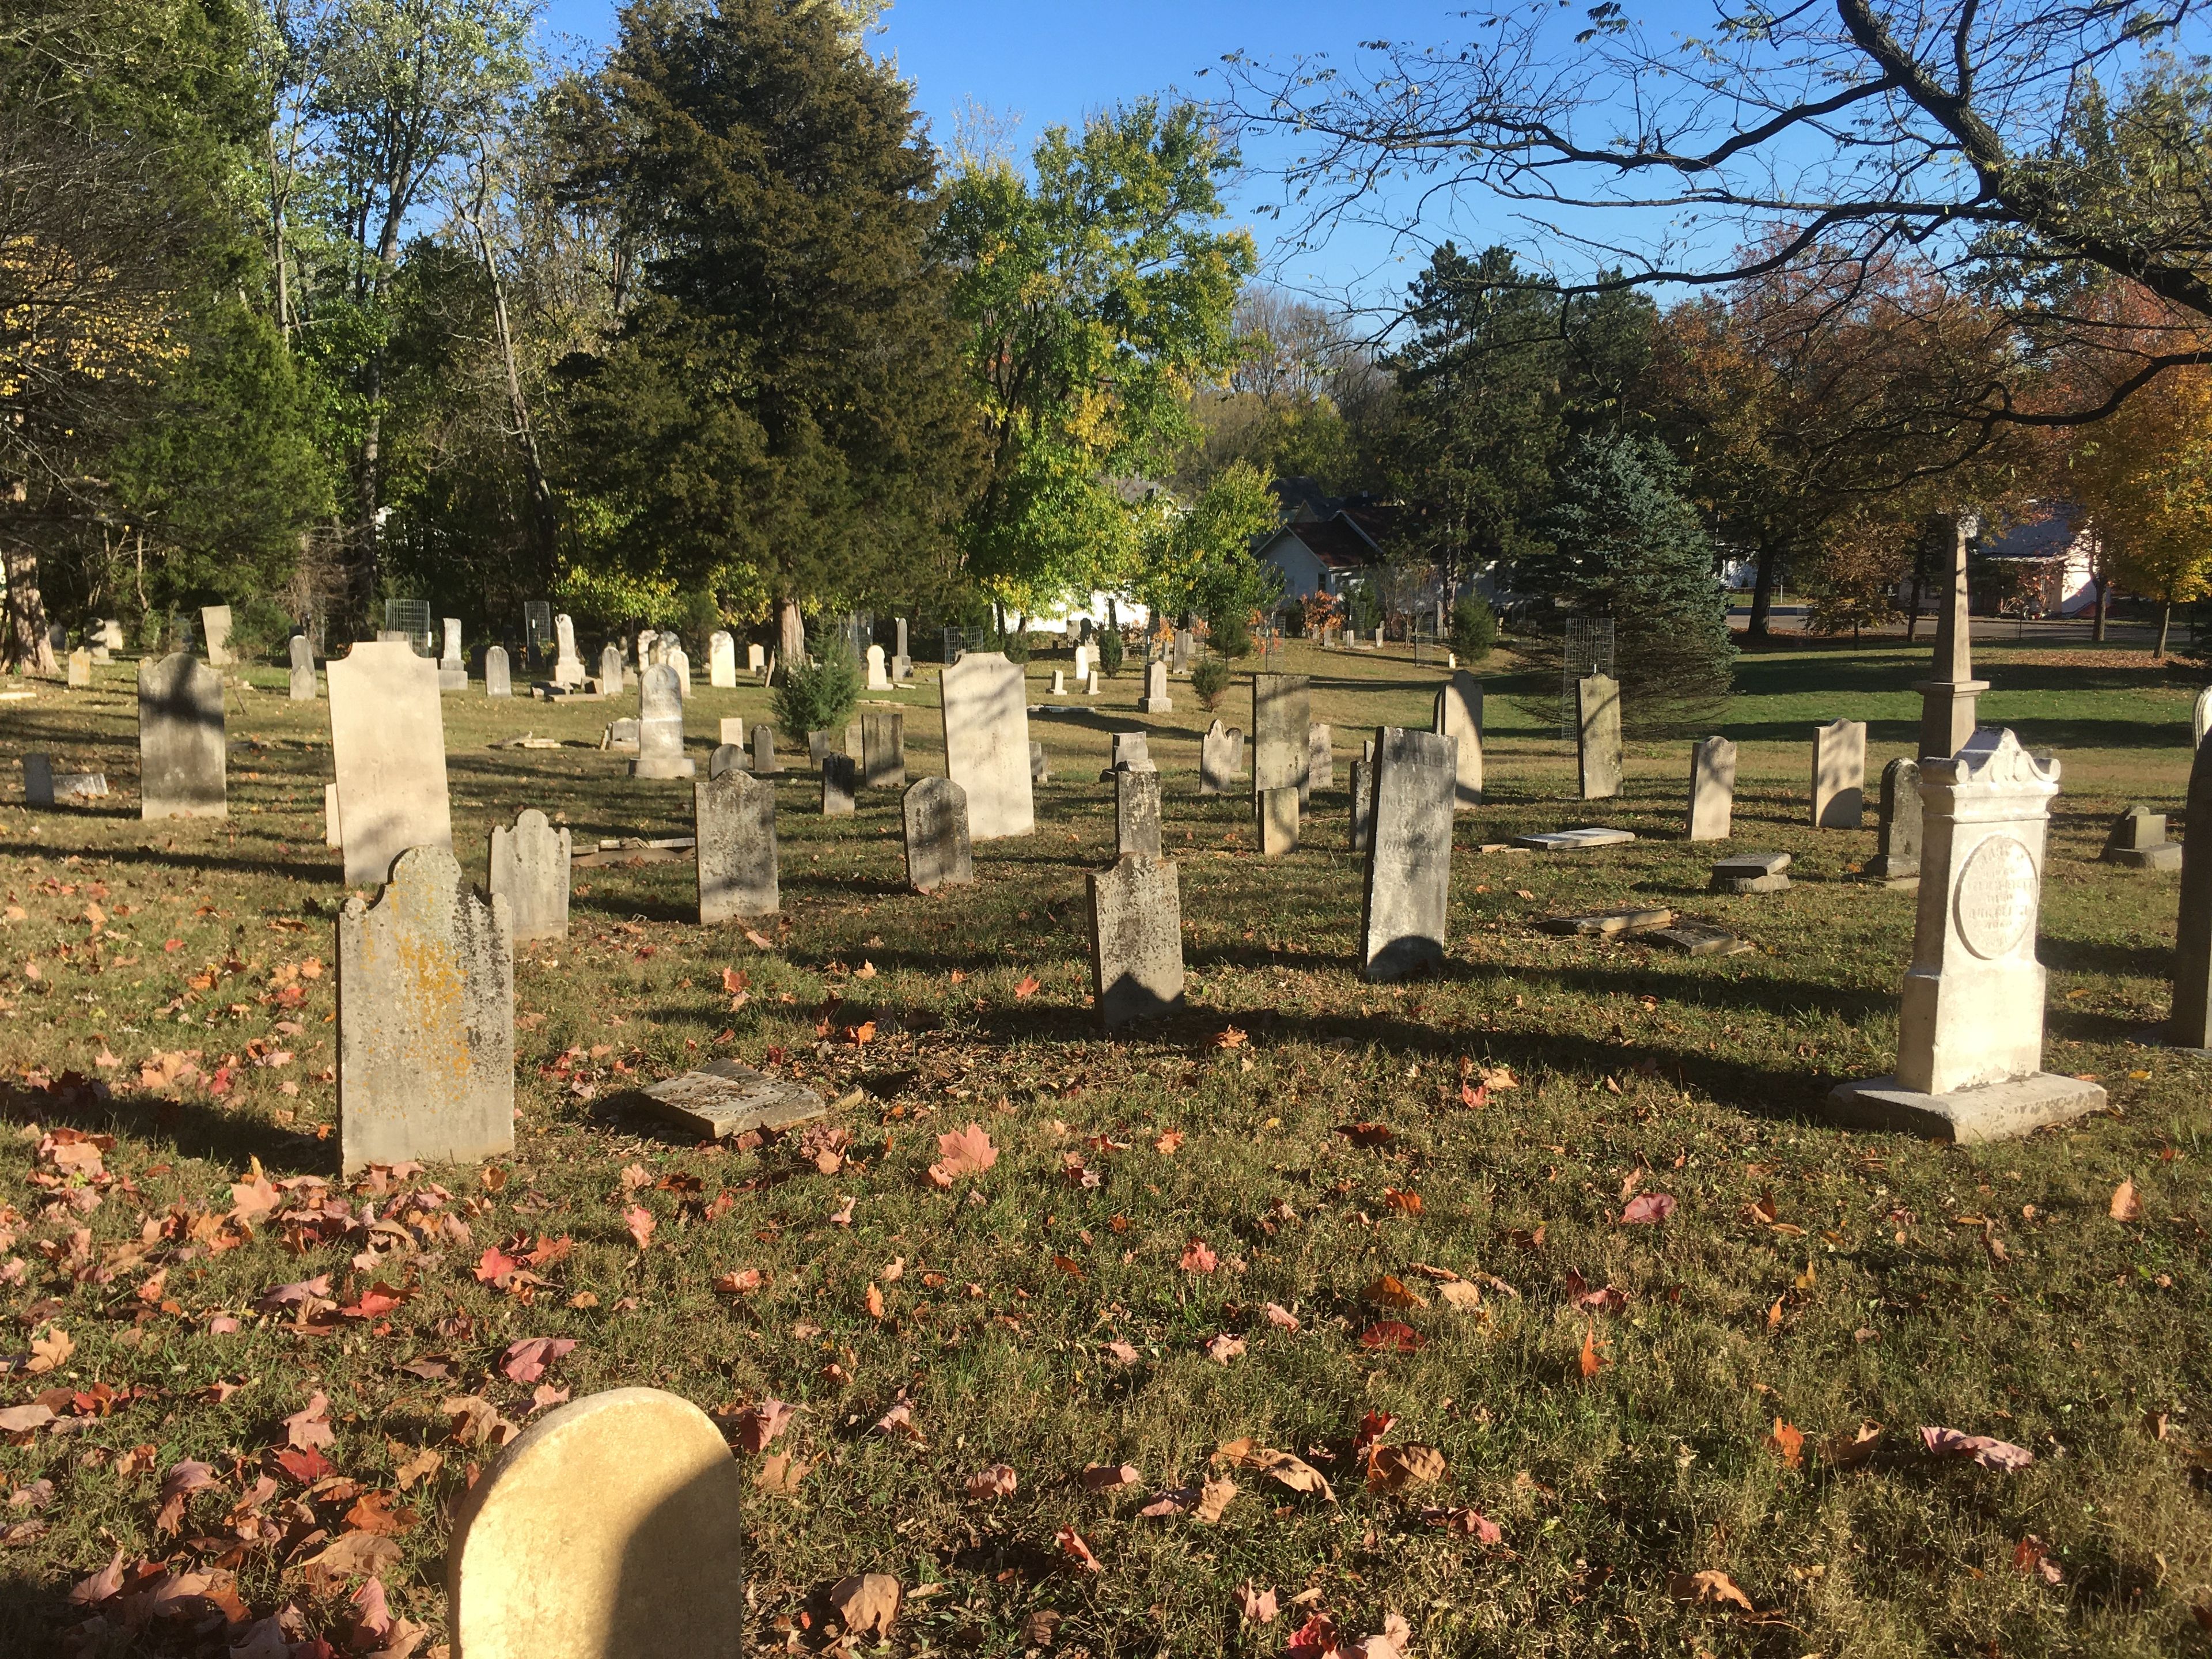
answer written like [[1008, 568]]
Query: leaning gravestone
[[426, 1016], [1970, 1031], [765, 763], [987, 743], [1220, 758], [1136, 813], [1282, 732], [610, 670], [1136, 940], [1321, 763], [183, 753], [883, 750], [2190, 1024], [840, 778], [660, 727], [1597, 724], [530, 871], [499, 680], [1408, 887], [1157, 700], [388, 742], [1896, 861], [721, 661], [1363, 803], [215, 622], [938, 851], [1840, 774], [2137, 842], [610, 1527], [1712, 789], [1459, 715], [1277, 813], [735, 815]]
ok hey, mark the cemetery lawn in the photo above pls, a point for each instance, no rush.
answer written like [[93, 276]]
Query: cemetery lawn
[[1701, 1434]]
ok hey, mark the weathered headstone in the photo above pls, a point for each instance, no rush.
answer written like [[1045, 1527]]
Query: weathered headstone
[[1363, 803], [183, 753], [726, 757], [215, 622], [1090, 683], [883, 750], [648, 649], [722, 1098], [388, 741], [1897, 845], [1136, 812], [1840, 774], [854, 747], [1597, 723], [2137, 842], [499, 679], [674, 656], [1408, 887], [1459, 715], [38, 781], [1282, 732], [1136, 940], [426, 1013], [817, 748], [1082, 663], [610, 669], [733, 729], [1752, 872], [620, 737], [452, 672], [765, 763], [879, 677], [1321, 763], [987, 743], [530, 871], [722, 660], [840, 777], [2200, 718], [1712, 789], [1059, 682], [567, 666], [1157, 700], [1039, 772], [1220, 755], [938, 851], [80, 669], [1970, 1029], [330, 835], [755, 659], [660, 727], [1277, 813], [1132, 748], [735, 815], [2190, 1024], [612, 1529], [1624, 918]]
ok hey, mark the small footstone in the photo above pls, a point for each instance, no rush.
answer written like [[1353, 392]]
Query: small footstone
[[1700, 939], [723, 1098], [1573, 841], [2138, 842], [1752, 872], [1629, 919], [612, 1525], [1994, 1111]]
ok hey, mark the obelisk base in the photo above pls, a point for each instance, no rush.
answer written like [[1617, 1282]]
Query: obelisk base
[[1946, 715], [1994, 1111]]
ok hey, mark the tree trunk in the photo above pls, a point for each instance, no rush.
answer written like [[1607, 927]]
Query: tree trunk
[[27, 648], [1912, 616], [544, 520], [1762, 593], [2097, 628], [791, 633], [2165, 628]]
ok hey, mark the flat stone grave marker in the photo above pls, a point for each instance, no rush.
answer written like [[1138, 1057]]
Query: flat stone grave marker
[[388, 741], [1840, 774], [841, 779], [1407, 890], [939, 853], [726, 757], [79, 786], [883, 750], [2138, 842], [184, 755], [660, 727], [499, 679], [722, 1098], [1712, 789], [426, 1017], [1627, 919], [1752, 872], [530, 871], [734, 819], [1321, 763], [1136, 813], [1700, 939], [765, 763], [1459, 715], [1574, 841], [1278, 821], [1157, 700], [1597, 747], [614, 1528], [1896, 861], [1136, 940], [988, 750], [215, 623]]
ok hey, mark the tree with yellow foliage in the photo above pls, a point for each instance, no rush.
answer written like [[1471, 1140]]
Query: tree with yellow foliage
[[2145, 476]]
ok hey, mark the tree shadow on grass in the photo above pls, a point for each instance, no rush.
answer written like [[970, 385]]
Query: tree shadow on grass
[[229, 1139], [2081, 956], [181, 858]]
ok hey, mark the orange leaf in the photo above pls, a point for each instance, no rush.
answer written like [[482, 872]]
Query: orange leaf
[[1590, 1361], [2126, 1206], [1027, 987], [1788, 1444], [1708, 1586], [640, 1221]]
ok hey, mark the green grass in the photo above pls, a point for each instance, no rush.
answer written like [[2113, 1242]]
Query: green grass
[[1985, 1289]]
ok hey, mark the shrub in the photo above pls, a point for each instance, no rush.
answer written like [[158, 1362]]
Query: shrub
[[1109, 652], [1474, 629], [1017, 648], [1210, 679], [819, 696], [260, 631], [1232, 636]]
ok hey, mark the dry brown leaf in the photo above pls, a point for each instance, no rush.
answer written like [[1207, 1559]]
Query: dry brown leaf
[[1708, 1586], [1394, 1468], [1461, 1294], [1223, 1348], [2126, 1204], [1214, 1499], [1109, 1477], [1255, 1607], [866, 1604], [1293, 1472], [1388, 1292], [997, 1481]]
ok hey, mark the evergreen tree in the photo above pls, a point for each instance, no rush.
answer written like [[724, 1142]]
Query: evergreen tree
[[1621, 541], [785, 415]]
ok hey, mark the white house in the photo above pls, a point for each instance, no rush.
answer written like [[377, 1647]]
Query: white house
[[2055, 544]]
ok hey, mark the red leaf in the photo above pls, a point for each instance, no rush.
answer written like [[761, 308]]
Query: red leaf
[[1391, 1336], [640, 1221], [525, 1361], [1072, 1545], [1199, 1258], [1647, 1208], [304, 1467], [1027, 987]]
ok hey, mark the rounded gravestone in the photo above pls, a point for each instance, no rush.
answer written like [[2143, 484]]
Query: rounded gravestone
[[1997, 896], [612, 1529]]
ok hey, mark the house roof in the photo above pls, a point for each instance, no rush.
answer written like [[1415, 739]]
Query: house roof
[[1339, 543], [2056, 529]]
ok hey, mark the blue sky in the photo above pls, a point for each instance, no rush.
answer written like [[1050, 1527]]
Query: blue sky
[[1048, 61]]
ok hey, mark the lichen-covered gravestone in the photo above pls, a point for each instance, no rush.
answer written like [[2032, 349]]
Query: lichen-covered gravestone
[[388, 742], [1408, 885], [1459, 715], [426, 1018], [883, 750], [1136, 812], [1896, 861], [183, 752], [660, 727], [1597, 726], [735, 816], [499, 681], [614, 1528], [939, 853], [987, 743], [1136, 940], [1840, 774], [530, 871], [1712, 789]]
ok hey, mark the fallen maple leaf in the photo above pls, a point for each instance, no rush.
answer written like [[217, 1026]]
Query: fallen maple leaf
[[421, 1467], [22, 1419], [476, 1421], [1072, 1545], [1223, 1348], [1394, 1468], [50, 1352], [843, 1216], [307, 1295], [743, 1282], [358, 1555], [866, 1604], [1199, 1258], [1497, 1077], [1292, 1471], [1847, 1450], [759, 1424], [1461, 1294], [1392, 1336], [1364, 1135], [1990, 1453], [525, 1361], [374, 1511], [1788, 1444], [997, 1481], [182, 1480], [967, 1152], [1708, 1586], [1255, 1607], [1470, 1523], [1648, 1209], [102, 1586], [310, 1425], [1281, 1317], [760, 940], [641, 1223], [1027, 987], [1229, 1038], [1590, 1360], [899, 1419], [1213, 1500], [1166, 1145], [2126, 1204]]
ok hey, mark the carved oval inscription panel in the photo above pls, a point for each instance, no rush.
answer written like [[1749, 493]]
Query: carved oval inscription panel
[[1997, 896]]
